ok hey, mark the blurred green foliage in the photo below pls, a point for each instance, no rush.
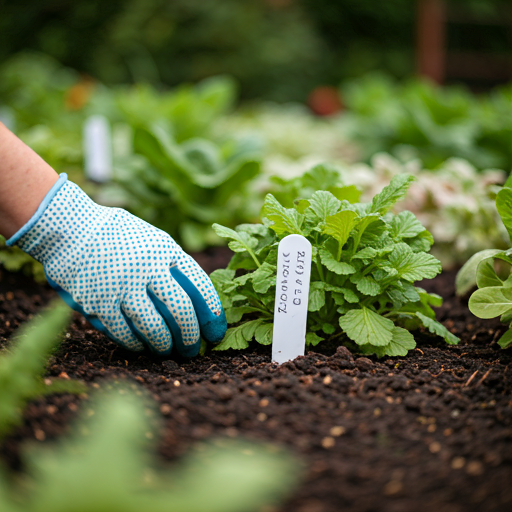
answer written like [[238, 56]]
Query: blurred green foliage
[[106, 466], [429, 122], [23, 363], [277, 49]]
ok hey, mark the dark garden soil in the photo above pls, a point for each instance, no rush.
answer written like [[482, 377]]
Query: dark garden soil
[[428, 432]]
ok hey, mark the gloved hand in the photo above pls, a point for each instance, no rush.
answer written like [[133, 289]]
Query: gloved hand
[[128, 278]]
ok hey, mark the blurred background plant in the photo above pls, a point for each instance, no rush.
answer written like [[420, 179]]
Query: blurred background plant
[[277, 49], [23, 363], [422, 120]]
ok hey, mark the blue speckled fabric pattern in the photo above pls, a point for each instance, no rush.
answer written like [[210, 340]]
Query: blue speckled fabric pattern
[[130, 279]]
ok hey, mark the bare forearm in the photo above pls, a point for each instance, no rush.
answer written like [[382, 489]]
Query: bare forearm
[[25, 179]]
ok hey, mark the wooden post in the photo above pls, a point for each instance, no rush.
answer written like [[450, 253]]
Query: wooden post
[[431, 42]]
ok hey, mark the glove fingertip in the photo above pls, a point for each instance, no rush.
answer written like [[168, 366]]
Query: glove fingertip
[[214, 329], [187, 350], [213, 326]]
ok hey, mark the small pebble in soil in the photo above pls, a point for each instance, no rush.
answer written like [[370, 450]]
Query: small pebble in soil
[[39, 434], [434, 447], [393, 487], [474, 468], [328, 442], [337, 431], [458, 462], [165, 409]]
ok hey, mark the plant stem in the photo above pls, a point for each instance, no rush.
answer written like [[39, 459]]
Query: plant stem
[[319, 268], [253, 256]]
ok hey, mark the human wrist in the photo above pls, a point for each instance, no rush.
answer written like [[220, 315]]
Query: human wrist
[[25, 179], [40, 211]]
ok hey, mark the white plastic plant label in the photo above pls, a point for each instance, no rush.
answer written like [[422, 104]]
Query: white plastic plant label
[[97, 149], [292, 292]]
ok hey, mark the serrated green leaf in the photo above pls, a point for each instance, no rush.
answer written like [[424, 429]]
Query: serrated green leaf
[[316, 299], [339, 225], [392, 193], [301, 205], [234, 314], [365, 326], [282, 220], [364, 220], [490, 302], [432, 298], [436, 328], [321, 177], [506, 340], [422, 242], [350, 295], [343, 309], [264, 277], [239, 242], [239, 337], [324, 204], [405, 225], [328, 328], [366, 284], [466, 277], [222, 277], [506, 318], [313, 339], [338, 267], [413, 266], [486, 275], [504, 207], [263, 334], [366, 253], [349, 193], [253, 229], [401, 342], [241, 280], [338, 298], [399, 298], [411, 293]]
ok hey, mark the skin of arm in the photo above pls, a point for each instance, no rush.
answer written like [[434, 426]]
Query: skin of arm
[[25, 179]]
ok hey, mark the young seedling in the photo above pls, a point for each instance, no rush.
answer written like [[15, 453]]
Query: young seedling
[[365, 263], [494, 295]]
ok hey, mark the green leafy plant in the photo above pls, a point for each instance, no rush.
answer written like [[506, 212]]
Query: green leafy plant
[[490, 271], [434, 123], [23, 363], [454, 201], [183, 188], [110, 469], [366, 260]]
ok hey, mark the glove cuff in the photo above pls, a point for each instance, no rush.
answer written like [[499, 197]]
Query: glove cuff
[[40, 210]]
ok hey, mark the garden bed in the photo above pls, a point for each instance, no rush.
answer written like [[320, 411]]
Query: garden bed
[[431, 431]]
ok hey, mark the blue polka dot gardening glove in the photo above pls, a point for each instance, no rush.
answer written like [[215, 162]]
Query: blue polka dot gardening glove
[[128, 278]]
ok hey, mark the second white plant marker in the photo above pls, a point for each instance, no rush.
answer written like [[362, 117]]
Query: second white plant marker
[[97, 149], [292, 293]]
